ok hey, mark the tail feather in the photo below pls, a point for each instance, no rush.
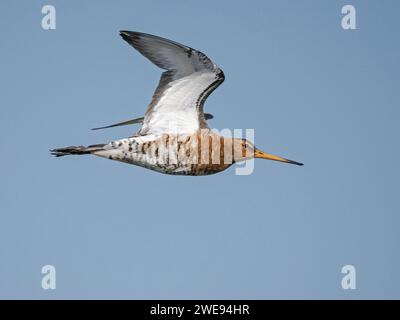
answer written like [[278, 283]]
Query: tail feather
[[59, 152]]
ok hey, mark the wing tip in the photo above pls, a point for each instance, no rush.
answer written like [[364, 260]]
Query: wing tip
[[130, 36], [208, 116], [125, 32]]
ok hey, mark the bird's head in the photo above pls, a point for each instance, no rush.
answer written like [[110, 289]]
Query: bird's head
[[244, 150]]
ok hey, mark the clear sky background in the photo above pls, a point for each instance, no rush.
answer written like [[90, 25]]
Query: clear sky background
[[312, 91]]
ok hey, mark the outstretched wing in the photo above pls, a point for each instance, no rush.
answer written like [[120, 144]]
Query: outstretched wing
[[207, 116], [177, 104]]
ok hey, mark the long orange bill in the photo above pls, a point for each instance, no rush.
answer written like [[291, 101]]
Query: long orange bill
[[261, 154]]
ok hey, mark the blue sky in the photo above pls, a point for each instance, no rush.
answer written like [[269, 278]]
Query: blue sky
[[312, 92]]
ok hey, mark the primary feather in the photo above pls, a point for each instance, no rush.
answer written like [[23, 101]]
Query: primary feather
[[190, 77]]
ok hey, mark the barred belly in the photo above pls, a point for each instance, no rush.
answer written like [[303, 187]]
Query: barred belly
[[170, 154]]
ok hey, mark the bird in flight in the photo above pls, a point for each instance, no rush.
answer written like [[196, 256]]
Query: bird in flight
[[174, 137]]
